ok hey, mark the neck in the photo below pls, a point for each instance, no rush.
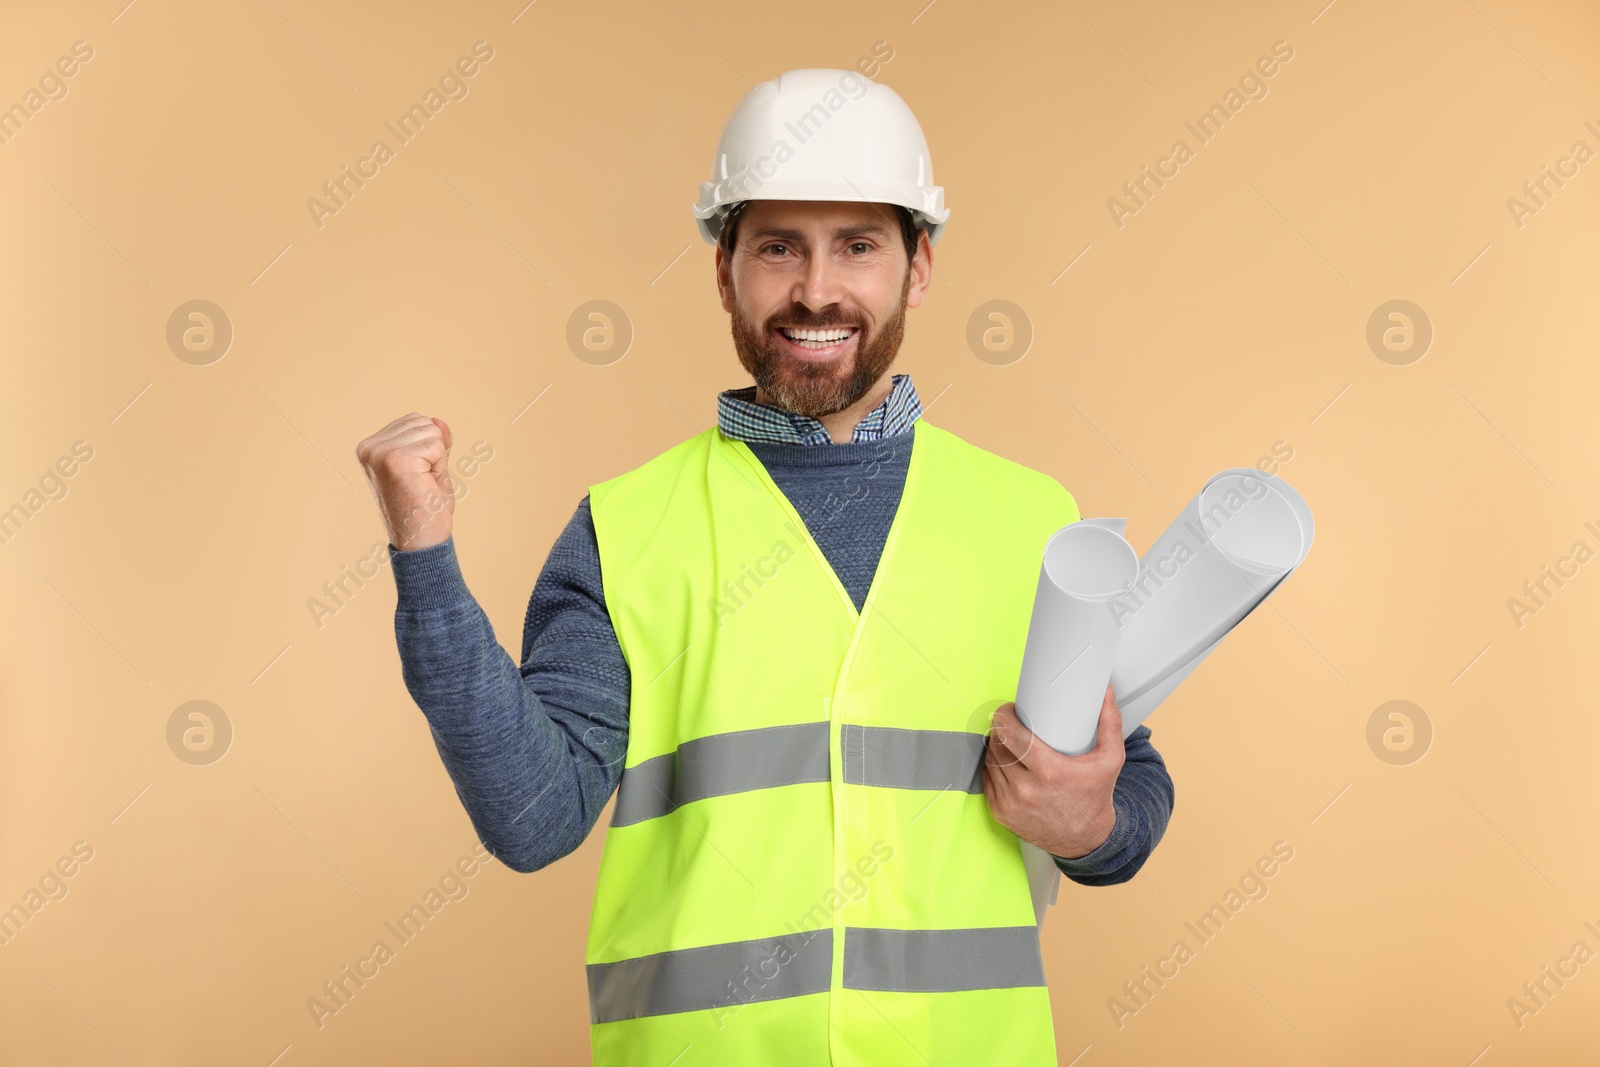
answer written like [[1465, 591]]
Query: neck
[[841, 424]]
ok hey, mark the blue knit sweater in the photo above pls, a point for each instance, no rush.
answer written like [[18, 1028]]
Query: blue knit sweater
[[536, 750]]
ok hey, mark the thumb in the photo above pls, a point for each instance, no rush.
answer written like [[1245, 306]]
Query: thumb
[[1110, 731], [441, 469]]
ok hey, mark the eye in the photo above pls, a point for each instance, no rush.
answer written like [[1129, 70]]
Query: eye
[[861, 244], [769, 247]]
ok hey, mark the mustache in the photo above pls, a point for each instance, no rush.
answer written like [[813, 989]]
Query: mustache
[[804, 322]]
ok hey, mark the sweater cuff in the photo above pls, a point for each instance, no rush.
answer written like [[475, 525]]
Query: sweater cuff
[[1104, 857], [428, 578]]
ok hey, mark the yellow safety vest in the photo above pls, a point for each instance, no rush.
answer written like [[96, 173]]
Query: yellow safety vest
[[801, 866]]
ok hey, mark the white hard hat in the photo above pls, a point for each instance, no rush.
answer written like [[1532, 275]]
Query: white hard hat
[[822, 134]]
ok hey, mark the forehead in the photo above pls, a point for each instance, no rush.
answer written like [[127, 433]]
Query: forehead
[[816, 218]]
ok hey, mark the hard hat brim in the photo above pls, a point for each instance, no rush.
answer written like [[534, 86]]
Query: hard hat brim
[[926, 207]]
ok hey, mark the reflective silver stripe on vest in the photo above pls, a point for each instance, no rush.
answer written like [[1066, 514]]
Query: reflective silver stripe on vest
[[942, 961], [913, 759], [714, 976], [718, 764]]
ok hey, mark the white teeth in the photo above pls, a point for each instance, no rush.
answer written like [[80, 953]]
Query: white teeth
[[817, 335]]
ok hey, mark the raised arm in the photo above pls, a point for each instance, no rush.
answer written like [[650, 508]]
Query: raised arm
[[534, 752]]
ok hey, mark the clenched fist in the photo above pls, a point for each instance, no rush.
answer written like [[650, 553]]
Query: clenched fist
[[407, 465]]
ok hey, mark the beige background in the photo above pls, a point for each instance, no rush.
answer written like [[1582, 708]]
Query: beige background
[[1227, 315]]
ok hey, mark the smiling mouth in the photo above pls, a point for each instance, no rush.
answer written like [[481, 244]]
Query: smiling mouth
[[819, 341]]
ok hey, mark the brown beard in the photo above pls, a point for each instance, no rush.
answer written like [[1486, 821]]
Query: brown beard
[[817, 389]]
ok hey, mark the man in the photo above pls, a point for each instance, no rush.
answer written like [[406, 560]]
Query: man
[[795, 670]]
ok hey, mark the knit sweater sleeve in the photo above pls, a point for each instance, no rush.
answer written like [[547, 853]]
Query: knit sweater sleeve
[[1142, 799], [534, 751]]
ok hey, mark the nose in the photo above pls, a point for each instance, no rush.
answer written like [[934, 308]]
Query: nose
[[819, 285]]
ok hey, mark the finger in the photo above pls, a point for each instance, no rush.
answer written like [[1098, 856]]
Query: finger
[[996, 786], [421, 433], [406, 422], [1018, 740], [995, 751], [998, 794], [996, 758], [420, 450], [441, 465], [396, 431], [440, 454]]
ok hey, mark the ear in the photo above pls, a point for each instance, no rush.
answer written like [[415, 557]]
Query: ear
[[921, 270], [724, 270]]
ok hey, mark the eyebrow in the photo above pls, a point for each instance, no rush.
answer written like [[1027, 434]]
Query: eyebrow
[[871, 229]]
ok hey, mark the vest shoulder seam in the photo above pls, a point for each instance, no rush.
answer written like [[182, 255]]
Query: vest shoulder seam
[[1005, 466]]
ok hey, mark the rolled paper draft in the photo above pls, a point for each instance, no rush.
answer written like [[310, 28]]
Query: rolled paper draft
[[1229, 548], [1084, 563], [1072, 636]]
